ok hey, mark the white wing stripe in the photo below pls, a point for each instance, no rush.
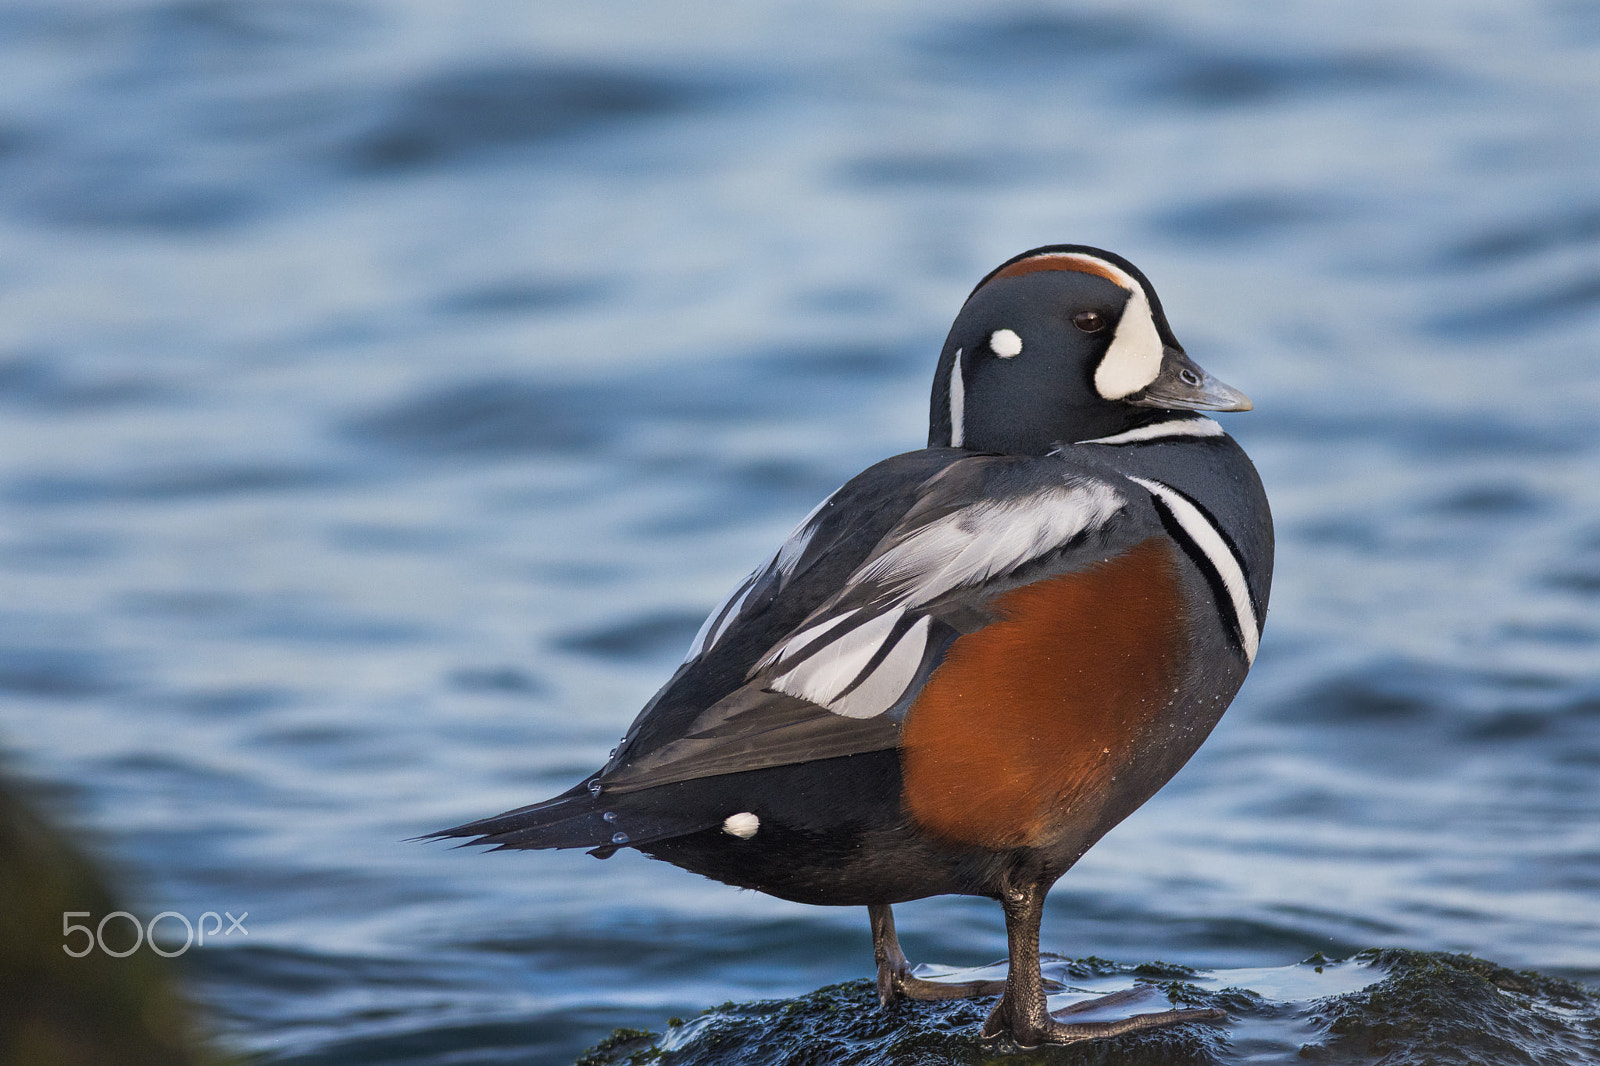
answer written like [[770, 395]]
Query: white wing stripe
[[781, 565], [721, 616], [798, 643], [789, 552], [883, 687], [982, 540], [1228, 567], [823, 675], [961, 549]]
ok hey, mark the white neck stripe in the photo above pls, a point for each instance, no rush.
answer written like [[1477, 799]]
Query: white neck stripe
[[1177, 427], [958, 402], [1228, 567]]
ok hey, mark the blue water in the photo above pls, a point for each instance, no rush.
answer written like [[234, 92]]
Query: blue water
[[386, 391]]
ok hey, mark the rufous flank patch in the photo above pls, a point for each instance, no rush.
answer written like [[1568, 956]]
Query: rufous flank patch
[[1026, 722]]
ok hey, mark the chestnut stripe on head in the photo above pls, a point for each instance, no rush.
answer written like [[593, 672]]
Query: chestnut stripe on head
[[1133, 359], [1082, 264]]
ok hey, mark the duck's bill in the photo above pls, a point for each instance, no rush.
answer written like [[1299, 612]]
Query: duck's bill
[[1183, 386]]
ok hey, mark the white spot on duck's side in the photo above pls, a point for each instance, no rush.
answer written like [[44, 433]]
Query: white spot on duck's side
[[958, 402], [742, 825], [1005, 343]]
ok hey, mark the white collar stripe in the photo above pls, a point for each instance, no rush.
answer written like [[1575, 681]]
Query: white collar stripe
[[1211, 543], [1178, 427]]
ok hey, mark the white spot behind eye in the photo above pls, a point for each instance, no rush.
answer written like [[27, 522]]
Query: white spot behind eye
[[1005, 343], [742, 825]]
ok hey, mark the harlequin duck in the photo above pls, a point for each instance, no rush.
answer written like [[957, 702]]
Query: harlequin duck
[[973, 660]]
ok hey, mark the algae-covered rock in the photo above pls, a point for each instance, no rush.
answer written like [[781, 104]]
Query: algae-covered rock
[[1394, 1008], [1444, 1010]]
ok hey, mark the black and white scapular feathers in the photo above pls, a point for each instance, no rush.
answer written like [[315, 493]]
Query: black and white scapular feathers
[[973, 660]]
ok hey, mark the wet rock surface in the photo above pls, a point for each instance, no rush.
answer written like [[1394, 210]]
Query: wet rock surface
[[1391, 1007]]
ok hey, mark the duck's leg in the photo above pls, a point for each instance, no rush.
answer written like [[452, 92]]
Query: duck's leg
[[895, 979], [1022, 1013]]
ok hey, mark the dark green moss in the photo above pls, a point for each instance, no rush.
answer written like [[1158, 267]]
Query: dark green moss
[[1419, 1009], [1443, 1010], [623, 1046], [843, 1025], [1160, 969]]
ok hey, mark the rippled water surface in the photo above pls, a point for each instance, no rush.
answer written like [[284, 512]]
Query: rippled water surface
[[387, 390]]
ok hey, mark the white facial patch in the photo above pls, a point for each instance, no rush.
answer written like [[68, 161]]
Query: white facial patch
[[1005, 343], [1134, 358], [742, 825]]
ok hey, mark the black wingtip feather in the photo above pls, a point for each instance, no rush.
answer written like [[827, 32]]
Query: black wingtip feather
[[578, 820], [574, 802]]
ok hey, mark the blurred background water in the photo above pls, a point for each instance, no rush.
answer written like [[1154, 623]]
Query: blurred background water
[[388, 389]]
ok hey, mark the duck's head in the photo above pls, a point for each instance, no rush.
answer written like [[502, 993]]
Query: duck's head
[[1059, 344]]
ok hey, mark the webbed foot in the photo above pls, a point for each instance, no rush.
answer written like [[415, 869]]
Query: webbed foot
[[1056, 1027], [895, 979], [1022, 1013]]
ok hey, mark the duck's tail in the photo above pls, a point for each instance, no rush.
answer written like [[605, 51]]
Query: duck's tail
[[580, 818]]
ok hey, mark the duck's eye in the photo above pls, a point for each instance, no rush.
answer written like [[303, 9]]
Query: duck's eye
[[1089, 321]]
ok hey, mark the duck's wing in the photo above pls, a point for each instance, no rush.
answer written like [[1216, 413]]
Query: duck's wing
[[819, 653]]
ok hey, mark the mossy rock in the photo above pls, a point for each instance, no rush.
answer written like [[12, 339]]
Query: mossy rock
[[1457, 1010], [1408, 1008]]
